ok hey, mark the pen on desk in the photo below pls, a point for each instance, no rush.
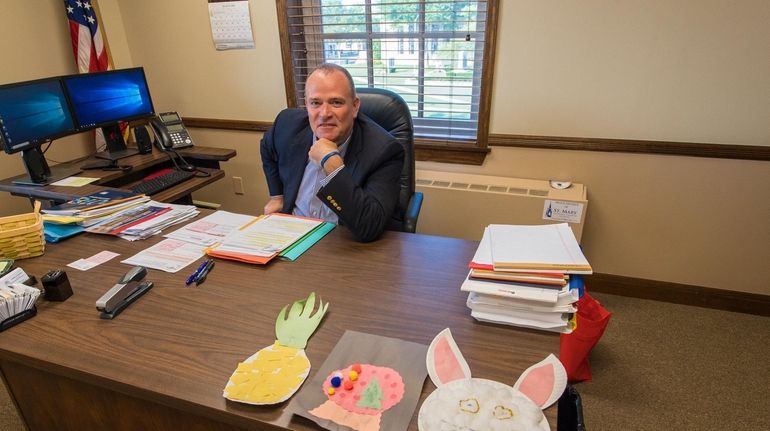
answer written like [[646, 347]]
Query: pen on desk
[[202, 276], [194, 275]]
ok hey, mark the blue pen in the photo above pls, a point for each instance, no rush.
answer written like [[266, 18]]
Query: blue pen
[[194, 275], [202, 276]]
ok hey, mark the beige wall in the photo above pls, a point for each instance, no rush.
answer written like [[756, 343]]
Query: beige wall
[[684, 70], [675, 71]]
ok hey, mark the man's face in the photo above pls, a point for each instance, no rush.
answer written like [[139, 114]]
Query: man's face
[[330, 105]]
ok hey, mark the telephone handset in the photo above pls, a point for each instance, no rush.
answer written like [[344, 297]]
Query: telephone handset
[[170, 132]]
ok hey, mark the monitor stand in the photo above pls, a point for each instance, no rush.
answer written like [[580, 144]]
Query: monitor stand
[[38, 171], [116, 146]]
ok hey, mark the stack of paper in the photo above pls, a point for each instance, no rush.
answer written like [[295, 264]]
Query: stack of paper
[[231, 236], [117, 212], [89, 210], [269, 236], [144, 221], [520, 276]]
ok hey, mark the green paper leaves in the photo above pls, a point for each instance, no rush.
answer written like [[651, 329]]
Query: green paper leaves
[[294, 327], [371, 396]]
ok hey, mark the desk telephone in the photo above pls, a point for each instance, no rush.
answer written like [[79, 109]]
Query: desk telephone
[[170, 133]]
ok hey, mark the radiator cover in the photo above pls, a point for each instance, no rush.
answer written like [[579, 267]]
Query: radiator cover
[[462, 205]]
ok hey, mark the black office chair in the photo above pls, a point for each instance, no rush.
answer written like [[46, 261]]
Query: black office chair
[[389, 110], [570, 415]]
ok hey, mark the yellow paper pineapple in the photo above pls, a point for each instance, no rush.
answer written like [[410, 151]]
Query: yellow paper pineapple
[[273, 374]]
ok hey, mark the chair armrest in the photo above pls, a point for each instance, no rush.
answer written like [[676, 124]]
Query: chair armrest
[[412, 212]]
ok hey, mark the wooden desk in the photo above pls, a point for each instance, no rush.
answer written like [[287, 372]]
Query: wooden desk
[[142, 164], [162, 364]]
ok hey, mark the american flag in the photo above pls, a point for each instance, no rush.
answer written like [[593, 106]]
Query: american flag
[[87, 43]]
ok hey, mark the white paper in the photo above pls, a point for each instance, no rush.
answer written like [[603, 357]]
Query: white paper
[[16, 276], [524, 323], [210, 229], [483, 256], [268, 235], [479, 301], [169, 255], [511, 290], [538, 246], [90, 262], [231, 25]]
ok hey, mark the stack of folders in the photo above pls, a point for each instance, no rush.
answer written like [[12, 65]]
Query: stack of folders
[[520, 275], [270, 236], [115, 212]]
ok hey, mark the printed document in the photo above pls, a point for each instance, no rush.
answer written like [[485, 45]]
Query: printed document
[[169, 255], [267, 236], [211, 229]]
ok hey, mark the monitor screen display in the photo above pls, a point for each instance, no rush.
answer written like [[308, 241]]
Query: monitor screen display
[[101, 99], [32, 112]]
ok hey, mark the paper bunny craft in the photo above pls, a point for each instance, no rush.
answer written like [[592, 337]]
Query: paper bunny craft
[[471, 404]]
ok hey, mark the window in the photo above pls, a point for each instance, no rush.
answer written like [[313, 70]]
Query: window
[[437, 54]]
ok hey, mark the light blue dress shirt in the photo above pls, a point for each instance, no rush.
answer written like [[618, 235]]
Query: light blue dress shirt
[[307, 203]]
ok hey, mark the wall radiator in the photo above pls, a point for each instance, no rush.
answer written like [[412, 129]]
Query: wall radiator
[[462, 205]]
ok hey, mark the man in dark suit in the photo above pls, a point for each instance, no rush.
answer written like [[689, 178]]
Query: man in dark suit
[[328, 162]]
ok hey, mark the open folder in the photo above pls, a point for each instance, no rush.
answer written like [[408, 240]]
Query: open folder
[[266, 237]]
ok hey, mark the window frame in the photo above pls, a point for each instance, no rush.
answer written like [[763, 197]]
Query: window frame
[[449, 151]]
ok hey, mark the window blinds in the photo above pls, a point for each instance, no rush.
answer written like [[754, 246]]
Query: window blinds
[[430, 52]]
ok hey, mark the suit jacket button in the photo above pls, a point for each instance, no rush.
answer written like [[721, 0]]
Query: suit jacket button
[[329, 198]]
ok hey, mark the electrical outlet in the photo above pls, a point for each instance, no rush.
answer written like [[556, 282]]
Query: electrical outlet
[[238, 185]]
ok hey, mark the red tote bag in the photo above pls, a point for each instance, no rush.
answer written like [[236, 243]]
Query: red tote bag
[[592, 319]]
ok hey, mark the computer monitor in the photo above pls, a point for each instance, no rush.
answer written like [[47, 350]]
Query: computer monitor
[[33, 113], [104, 99]]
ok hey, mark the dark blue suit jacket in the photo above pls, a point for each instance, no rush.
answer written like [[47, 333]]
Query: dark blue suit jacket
[[363, 194]]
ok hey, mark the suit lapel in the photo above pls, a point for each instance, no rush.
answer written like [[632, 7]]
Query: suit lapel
[[354, 148]]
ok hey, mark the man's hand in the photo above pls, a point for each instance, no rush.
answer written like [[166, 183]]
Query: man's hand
[[322, 147], [275, 204]]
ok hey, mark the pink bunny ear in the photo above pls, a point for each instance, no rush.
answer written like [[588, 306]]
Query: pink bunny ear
[[444, 361], [544, 382]]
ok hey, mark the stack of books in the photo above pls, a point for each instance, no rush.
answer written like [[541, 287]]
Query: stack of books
[[520, 275], [118, 212]]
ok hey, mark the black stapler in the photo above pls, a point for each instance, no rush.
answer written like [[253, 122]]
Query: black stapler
[[128, 289]]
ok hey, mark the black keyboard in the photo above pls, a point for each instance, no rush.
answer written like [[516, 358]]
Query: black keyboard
[[162, 182]]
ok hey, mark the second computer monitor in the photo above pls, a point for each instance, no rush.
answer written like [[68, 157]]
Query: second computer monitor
[[106, 98]]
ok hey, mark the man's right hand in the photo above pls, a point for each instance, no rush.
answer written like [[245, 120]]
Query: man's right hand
[[275, 204]]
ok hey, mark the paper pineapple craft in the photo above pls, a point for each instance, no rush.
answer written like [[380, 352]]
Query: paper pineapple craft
[[274, 374], [464, 403]]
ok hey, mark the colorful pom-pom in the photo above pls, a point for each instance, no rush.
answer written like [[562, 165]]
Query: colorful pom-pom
[[348, 385], [356, 368], [336, 381], [353, 375], [330, 391]]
